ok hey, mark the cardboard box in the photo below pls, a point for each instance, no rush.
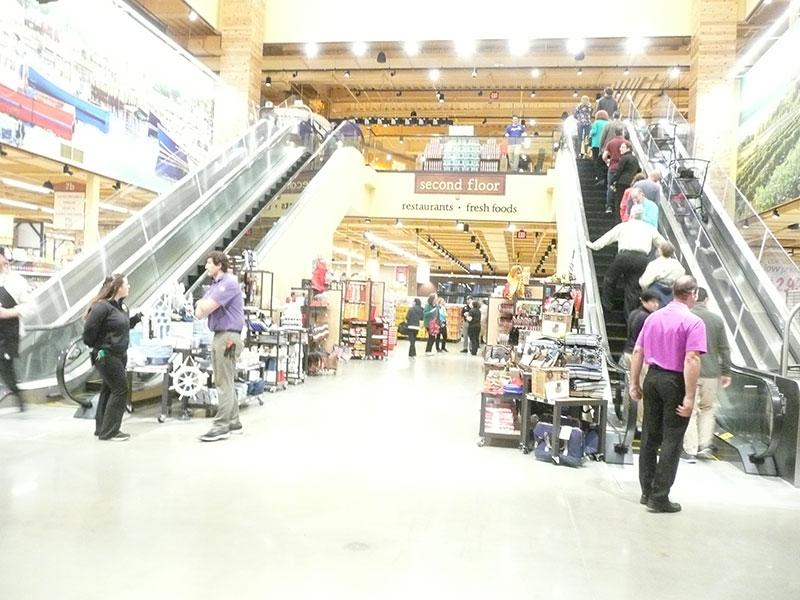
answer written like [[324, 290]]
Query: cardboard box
[[552, 383]]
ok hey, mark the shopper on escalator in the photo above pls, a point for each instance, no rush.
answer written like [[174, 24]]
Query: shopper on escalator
[[715, 371], [431, 320], [635, 240], [107, 332], [413, 319], [441, 338], [622, 178], [612, 155], [661, 273], [15, 306]]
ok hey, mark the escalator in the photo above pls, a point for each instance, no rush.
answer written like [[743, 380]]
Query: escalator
[[754, 424], [168, 241]]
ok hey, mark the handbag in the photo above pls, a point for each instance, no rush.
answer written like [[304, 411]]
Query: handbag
[[402, 329]]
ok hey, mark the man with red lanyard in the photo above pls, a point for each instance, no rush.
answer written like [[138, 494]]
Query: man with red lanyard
[[224, 307], [612, 154], [671, 343]]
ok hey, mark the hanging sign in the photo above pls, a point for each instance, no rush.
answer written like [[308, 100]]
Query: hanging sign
[[70, 197]]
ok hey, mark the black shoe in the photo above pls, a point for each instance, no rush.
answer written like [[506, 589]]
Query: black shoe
[[464, 351], [216, 433], [236, 427], [118, 437], [644, 499], [663, 507], [445, 350]]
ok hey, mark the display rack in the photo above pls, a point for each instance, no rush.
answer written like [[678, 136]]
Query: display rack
[[257, 286], [272, 347], [390, 314], [378, 339], [453, 322], [297, 354], [362, 305], [500, 418]]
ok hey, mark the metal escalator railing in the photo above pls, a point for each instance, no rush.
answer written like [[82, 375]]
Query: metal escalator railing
[[753, 408], [74, 352], [623, 425], [156, 261]]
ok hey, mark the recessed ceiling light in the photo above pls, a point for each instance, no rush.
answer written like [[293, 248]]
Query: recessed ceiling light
[[675, 72], [465, 48], [312, 49], [518, 46], [576, 45], [359, 48], [535, 72], [434, 74], [411, 48]]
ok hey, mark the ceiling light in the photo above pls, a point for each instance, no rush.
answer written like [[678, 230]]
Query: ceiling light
[[794, 226], [480, 92], [411, 48], [441, 98], [465, 48], [388, 157], [66, 170], [511, 226], [575, 94], [18, 204], [367, 221], [776, 214], [474, 72], [26, 186], [532, 122], [580, 71], [117, 186], [459, 225], [399, 93], [635, 45], [576, 45], [311, 49], [347, 74], [518, 46], [381, 57], [398, 223], [294, 74], [268, 82], [627, 71], [434, 74], [393, 72], [359, 48], [533, 93], [769, 34], [3, 152], [402, 139], [675, 72], [535, 72], [192, 16], [114, 208], [48, 184]]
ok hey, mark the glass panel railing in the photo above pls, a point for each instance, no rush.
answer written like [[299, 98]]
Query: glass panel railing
[[535, 154], [166, 257], [71, 285]]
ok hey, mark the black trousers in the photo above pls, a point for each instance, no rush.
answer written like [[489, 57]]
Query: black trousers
[[601, 168], [474, 339], [412, 342], [610, 194], [9, 377], [113, 395], [662, 428], [430, 342], [441, 338], [629, 265]]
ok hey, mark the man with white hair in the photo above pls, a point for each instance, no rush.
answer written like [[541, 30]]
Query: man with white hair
[[635, 240], [637, 196]]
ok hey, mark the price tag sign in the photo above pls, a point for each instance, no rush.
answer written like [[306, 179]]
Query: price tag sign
[[68, 205]]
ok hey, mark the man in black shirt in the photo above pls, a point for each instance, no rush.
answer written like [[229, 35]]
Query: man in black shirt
[[607, 102], [465, 324], [648, 304]]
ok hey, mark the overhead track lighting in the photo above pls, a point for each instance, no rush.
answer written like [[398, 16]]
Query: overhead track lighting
[[675, 72], [434, 74], [29, 187], [580, 71], [576, 46], [393, 72], [311, 49], [3, 152], [474, 72], [268, 81], [347, 74], [627, 71], [66, 170], [192, 16], [533, 93], [518, 46], [465, 48], [381, 57], [117, 186], [575, 94], [48, 185], [535, 73], [776, 214], [635, 45]]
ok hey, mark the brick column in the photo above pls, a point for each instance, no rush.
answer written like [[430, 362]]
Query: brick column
[[241, 23], [713, 97]]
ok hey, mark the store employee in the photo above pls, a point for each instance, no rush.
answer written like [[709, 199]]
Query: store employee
[[514, 133], [224, 307]]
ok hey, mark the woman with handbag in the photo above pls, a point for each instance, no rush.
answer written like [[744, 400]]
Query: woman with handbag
[[107, 333], [431, 323], [413, 318]]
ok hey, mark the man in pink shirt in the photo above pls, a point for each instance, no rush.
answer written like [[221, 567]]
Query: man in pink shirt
[[671, 343]]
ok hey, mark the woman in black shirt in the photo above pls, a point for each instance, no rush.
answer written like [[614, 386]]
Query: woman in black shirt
[[627, 168], [107, 333], [474, 328]]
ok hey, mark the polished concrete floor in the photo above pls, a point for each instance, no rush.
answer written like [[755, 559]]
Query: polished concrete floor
[[368, 484]]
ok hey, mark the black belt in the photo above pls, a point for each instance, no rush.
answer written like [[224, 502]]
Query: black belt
[[663, 370]]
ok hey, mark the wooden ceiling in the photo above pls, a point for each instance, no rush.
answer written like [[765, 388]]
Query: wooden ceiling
[[35, 170], [784, 222], [433, 240], [173, 18]]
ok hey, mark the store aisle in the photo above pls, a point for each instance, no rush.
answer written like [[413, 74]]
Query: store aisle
[[368, 484]]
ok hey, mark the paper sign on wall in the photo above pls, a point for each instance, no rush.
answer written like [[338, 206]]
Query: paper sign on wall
[[68, 205]]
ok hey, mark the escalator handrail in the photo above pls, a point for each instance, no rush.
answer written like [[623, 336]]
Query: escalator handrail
[[787, 332], [331, 139], [61, 376], [778, 401], [138, 257]]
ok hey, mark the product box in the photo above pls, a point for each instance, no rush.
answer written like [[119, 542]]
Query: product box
[[556, 325], [552, 383]]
